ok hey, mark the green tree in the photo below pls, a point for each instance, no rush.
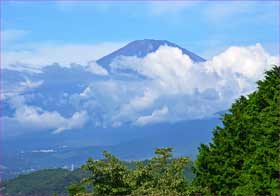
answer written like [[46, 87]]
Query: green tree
[[163, 175], [243, 157], [76, 188], [108, 176]]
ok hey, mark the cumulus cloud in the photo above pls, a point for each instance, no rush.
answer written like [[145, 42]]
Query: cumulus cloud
[[134, 107], [86, 93], [10, 90], [94, 68], [164, 86], [31, 84], [76, 121], [190, 89], [36, 119], [250, 62], [156, 116]]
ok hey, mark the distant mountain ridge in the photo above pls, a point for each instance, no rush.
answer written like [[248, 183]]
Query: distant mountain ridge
[[140, 48]]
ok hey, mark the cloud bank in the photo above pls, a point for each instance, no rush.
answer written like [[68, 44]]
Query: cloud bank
[[185, 89], [94, 68], [164, 86], [36, 119]]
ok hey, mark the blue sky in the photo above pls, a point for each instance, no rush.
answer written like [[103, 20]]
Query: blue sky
[[205, 28]]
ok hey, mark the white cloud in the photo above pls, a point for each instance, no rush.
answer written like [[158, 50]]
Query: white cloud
[[44, 151], [34, 118], [87, 92], [28, 84], [135, 106], [94, 68], [156, 116], [191, 90], [250, 62], [171, 88], [37, 55], [142, 102], [13, 89], [77, 120], [22, 68]]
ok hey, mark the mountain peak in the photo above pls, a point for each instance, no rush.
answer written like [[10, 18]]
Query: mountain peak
[[140, 48]]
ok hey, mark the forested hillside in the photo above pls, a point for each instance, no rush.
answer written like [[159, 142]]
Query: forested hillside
[[243, 158], [50, 181], [43, 182]]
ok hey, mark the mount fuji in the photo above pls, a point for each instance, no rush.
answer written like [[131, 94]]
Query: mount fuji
[[140, 48]]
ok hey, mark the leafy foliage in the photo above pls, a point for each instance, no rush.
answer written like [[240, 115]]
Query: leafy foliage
[[243, 157], [108, 176], [75, 188], [57, 181], [162, 175]]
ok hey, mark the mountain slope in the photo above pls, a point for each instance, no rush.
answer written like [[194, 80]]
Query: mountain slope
[[43, 182], [141, 48]]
